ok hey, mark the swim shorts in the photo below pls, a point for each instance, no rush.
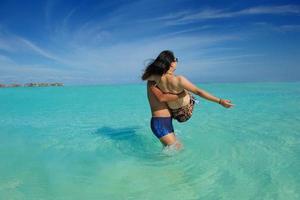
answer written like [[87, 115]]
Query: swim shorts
[[161, 126]]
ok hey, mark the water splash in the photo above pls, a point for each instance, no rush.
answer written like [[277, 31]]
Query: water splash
[[173, 149]]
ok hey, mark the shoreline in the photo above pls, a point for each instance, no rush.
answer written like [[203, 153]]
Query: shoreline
[[15, 85]]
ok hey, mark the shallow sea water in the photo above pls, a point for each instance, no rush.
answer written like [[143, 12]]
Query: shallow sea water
[[95, 142]]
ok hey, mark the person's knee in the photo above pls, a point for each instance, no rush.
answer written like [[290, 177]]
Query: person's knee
[[173, 148], [175, 144], [168, 139]]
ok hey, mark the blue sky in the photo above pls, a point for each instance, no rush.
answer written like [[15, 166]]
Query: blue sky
[[108, 42]]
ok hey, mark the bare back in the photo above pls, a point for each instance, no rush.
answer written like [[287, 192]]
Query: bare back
[[170, 84], [158, 109]]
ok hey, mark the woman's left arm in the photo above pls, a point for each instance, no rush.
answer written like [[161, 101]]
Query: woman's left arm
[[186, 84]]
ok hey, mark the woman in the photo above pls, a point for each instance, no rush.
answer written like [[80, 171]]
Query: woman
[[161, 70], [161, 121]]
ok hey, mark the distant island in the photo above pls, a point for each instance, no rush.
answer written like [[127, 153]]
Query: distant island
[[30, 85]]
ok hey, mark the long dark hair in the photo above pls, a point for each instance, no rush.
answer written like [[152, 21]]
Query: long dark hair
[[160, 65]]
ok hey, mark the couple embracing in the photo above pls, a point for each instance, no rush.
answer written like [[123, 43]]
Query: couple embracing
[[170, 97]]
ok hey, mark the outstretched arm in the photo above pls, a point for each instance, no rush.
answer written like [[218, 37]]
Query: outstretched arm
[[186, 84], [162, 97]]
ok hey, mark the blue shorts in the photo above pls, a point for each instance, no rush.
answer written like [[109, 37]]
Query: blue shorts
[[161, 126]]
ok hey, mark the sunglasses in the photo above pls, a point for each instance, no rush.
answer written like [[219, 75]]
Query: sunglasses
[[176, 59]]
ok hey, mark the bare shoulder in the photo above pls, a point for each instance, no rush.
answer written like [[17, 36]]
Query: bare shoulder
[[175, 81], [181, 79]]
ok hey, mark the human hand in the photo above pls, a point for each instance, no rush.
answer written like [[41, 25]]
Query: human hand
[[226, 103]]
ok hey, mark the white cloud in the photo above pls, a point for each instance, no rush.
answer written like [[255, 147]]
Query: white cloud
[[283, 9], [5, 59], [29, 45], [12, 43], [211, 13], [278, 28], [287, 28], [121, 61], [92, 52], [11, 72]]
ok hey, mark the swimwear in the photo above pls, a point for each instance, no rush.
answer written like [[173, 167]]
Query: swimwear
[[161, 126], [185, 112]]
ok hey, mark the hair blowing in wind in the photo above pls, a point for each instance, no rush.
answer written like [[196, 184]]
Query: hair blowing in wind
[[160, 65]]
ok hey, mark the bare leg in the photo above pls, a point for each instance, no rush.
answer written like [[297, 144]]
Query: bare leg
[[170, 139]]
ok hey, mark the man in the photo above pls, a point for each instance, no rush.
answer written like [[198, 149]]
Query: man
[[161, 121]]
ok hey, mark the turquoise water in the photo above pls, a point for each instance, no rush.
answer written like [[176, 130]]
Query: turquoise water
[[94, 142]]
